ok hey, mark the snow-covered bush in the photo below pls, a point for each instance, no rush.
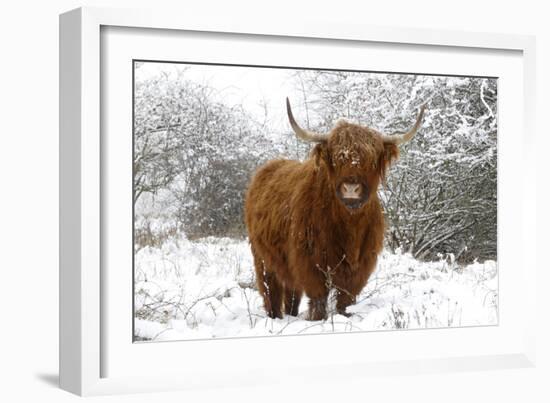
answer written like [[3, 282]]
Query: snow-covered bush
[[205, 289]]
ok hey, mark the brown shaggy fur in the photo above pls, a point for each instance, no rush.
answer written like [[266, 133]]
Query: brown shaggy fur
[[304, 239]]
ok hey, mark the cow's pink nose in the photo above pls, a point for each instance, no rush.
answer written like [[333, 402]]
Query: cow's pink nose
[[351, 190]]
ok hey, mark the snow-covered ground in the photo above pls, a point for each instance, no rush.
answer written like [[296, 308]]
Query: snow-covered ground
[[205, 289]]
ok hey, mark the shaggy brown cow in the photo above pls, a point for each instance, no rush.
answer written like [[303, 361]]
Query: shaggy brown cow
[[317, 225]]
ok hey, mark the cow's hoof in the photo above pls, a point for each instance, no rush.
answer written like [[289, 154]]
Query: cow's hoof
[[313, 316], [276, 315]]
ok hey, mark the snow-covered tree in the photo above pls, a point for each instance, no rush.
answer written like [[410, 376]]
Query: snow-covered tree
[[440, 197], [193, 156]]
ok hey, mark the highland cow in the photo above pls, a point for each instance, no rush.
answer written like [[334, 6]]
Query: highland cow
[[317, 226]]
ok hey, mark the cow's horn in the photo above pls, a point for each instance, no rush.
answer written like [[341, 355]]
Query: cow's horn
[[403, 138], [305, 135]]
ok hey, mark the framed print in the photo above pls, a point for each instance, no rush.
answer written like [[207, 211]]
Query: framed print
[[251, 194]]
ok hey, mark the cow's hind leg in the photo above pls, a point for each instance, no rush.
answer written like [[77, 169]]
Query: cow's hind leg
[[292, 301]]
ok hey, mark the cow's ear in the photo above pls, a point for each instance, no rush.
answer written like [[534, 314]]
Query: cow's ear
[[389, 155], [321, 155]]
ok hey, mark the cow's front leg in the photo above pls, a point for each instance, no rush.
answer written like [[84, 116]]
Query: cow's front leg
[[343, 300], [318, 308]]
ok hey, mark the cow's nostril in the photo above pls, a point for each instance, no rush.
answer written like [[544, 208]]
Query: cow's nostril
[[351, 190]]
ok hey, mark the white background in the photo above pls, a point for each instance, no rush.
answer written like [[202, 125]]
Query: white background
[[28, 200]]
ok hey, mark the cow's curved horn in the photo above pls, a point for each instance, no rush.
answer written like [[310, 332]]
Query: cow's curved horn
[[403, 138], [305, 135]]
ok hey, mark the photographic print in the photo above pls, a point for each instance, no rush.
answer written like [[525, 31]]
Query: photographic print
[[273, 201]]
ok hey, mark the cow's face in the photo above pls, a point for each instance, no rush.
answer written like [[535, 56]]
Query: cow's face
[[356, 159]]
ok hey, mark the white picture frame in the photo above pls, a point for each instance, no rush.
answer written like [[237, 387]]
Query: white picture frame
[[82, 299]]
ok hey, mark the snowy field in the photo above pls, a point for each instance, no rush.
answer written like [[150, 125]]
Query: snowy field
[[205, 289]]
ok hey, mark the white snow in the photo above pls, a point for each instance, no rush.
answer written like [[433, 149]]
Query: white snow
[[205, 289]]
